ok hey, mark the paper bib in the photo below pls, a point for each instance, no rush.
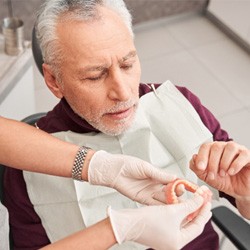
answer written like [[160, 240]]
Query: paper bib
[[166, 132]]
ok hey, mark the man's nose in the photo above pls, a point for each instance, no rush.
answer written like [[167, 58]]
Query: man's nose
[[119, 88]]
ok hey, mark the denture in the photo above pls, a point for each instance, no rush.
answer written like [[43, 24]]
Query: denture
[[171, 196]]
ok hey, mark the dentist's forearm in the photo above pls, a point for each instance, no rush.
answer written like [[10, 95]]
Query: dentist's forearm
[[25, 147], [100, 236]]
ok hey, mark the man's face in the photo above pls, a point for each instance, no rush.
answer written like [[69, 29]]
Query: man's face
[[101, 72]]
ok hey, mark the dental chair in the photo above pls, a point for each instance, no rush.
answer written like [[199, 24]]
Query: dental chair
[[234, 227]]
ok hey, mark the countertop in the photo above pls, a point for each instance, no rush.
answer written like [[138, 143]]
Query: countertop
[[12, 68]]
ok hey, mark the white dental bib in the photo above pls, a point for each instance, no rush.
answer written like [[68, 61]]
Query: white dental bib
[[166, 132]]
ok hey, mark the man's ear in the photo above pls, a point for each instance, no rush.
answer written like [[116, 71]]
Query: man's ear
[[51, 81]]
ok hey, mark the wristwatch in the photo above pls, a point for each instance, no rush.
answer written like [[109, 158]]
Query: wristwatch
[[79, 162]]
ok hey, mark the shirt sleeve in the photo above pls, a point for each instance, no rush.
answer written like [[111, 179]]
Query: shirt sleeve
[[206, 116]]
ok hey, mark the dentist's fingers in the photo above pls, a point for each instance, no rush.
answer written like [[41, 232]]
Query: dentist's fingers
[[191, 205], [160, 196], [196, 226]]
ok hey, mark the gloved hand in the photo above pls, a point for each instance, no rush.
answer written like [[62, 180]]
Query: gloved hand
[[161, 227], [131, 176]]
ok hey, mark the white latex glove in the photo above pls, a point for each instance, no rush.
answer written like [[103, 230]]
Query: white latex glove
[[160, 227], [131, 176]]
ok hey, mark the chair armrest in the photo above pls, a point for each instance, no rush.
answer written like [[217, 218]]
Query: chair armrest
[[236, 229]]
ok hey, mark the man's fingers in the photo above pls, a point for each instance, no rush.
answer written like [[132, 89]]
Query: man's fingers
[[201, 160], [243, 160], [219, 158], [229, 155], [214, 161]]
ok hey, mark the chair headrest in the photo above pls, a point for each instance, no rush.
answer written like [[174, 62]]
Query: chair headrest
[[36, 50]]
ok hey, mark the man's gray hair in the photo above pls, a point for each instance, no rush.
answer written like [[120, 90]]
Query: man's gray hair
[[52, 10]]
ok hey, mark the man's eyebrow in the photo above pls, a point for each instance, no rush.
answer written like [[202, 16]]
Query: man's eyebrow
[[128, 56], [92, 68]]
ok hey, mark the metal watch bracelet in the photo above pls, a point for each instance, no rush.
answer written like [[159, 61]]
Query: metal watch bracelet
[[79, 162]]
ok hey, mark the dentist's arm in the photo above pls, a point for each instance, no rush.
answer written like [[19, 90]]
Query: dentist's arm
[[34, 150], [25, 147], [159, 227]]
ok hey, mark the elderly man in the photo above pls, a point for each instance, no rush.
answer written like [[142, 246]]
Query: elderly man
[[92, 66]]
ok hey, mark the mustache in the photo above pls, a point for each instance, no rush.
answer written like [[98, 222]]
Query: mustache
[[122, 106]]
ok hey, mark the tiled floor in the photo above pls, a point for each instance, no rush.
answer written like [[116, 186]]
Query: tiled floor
[[191, 51]]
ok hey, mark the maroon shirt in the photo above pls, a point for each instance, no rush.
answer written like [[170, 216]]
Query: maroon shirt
[[28, 232]]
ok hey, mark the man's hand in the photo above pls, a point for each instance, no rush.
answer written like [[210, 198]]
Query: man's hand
[[226, 167], [133, 177]]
